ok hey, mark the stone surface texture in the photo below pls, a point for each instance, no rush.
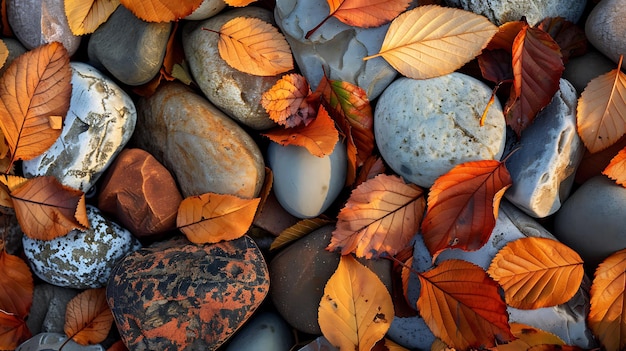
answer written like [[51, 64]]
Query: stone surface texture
[[81, 259], [48, 313], [501, 11], [204, 149], [54, 341], [264, 331], [99, 123], [207, 9], [335, 49], [15, 49], [424, 128], [582, 69], [605, 27]]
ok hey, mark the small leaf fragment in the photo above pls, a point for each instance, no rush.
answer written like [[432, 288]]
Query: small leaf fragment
[[616, 169], [286, 101]]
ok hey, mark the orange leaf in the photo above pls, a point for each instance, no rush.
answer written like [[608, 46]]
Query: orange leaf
[[616, 169], [463, 205], [462, 306], [45, 208], [239, 3], [88, 318], [537, 272], [607, 316], [161, 10], [210, 218], [356, 309], [85, 16], [363, 13], [254, 46], [35, 87], [319, 137], [505, 36], [16, 285], [4, 53], [601, 111], [13, 331], [287, 103], [381, 216], [372, 167], [118, 346], [528, 337]]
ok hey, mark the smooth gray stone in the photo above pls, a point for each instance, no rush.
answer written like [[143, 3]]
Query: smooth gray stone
[[15, 50], [582, 69], [132, 50], [264, 331], [605, 28], [54, 342], [546, 158], [47, 313]]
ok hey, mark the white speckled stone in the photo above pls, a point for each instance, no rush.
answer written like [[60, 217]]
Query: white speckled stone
[[100, 121], [335, 48], [548, 154], [207, 9], [501, 11], [81, 259], [423, 128], [605, 28]]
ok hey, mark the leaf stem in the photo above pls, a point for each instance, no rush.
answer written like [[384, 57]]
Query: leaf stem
[[309, 33]]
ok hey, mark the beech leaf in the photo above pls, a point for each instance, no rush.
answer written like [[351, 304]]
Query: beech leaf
[[462, 306], [211, 218], [607, 316], [13, 330], [45, 208], [463, 205], [286, 102], [527, 337], [431, 41], [616, 169], [381, 216], [297, 231], [161, 10], [356, 309], [601, 111], [254, 46], [16, 285], [537, 272], [34, 87], [85, 16], [88, 318]]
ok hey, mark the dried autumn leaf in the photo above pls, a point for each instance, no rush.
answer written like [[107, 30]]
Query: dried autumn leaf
[[607, 316], [537, 272], [297, 231], [88, 318], [239, 3], [456, 313], [601, 110], [372, 167], [356, 309], [161, 10], [45, 208], [552, 347], [616, 169], [430, 41], [463, 206], [363, 13], [4, 53], [495, 65], [85, 16], [286, 102], [527, 337], [505, 36], [34, 87], [16, 285], [381, 216], [13, 330], [537, 69], [319, 137], [254, 46], [570, 37], [211, 218]]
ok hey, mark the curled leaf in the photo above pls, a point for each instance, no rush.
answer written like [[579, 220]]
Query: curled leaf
[[88, 318], [527, 337], [297, 231], [570, 37]]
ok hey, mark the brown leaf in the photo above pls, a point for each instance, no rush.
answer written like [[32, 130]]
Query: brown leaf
[[16, 285], [286, 102], [495, 65], [211, 218], [381, 216], [88, 318], [118, 346], [356, 309], [161, 10], [616, 169], [372, 167], [504, 38], [297, 231], [45, 208], [570, 37], [35, 87], [13, 330], [85, 16]]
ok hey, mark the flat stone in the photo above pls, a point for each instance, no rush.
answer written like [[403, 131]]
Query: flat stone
[[335, 49], [175, 295], [265, 331], [605, 28], [100, 121], [81, 259], [208, 8], [501, 11], [54, 342], [548, 153], [141, 193], [236, 93], [204, 149], [424, 128], [130, 49], [581, 70], [48, 313]]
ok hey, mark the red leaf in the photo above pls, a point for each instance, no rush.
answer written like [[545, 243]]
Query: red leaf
[[13, 331], [16, 285], [570, 37]]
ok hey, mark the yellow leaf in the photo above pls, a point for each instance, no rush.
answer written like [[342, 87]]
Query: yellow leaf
[[537, 272], [254, 46], [239, 3], [297, 231], [56, 122], [88, 318], [4, 53], [527, 337], [85, 16], [431, 41], [356, 309]]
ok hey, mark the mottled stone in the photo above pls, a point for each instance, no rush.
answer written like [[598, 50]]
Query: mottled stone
[[53, 342], [100, 121], [130, 49], [47, 314], [548, 153], [81, 259], [501, 11], [204, 149], [423, 128], [592, 220], [605, 28], [265, 331], [582, 69], [176, 295], [236, 93], [15, 49], [38, 22], [304, 184], [141, 193], [299, 274], [335, 49], [207, 9], [11, 233]]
